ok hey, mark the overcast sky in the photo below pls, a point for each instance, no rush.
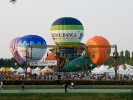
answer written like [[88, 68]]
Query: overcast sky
[[112, 19]]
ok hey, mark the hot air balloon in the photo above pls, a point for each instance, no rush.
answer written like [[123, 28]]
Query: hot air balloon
[[78, 64], [14, 51], [35, 53], [51, 56], [98, 55], [67, 31]]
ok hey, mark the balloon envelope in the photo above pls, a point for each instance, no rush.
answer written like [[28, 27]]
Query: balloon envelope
[[29, 40], [78, 64], [51, 56], [67, 31], [98, 55], [14, 51]]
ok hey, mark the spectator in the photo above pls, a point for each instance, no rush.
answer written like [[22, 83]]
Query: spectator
[[1, 85], [65, 87], [22, 86], [71, 85]]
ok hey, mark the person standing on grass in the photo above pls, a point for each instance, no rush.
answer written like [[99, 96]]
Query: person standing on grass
[[65, 87], [22, 86], [1, 85]]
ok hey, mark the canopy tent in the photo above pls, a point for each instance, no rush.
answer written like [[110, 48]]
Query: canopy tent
[[29, 69], [1, 68], [122, 69], [46, 70], [125, 69], [129, 67], [12, 69], [103, 69], [95, 70], [36, 71], [19, 70], [5, 69]]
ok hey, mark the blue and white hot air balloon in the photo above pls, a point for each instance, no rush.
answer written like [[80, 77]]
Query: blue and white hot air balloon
[[29, 40]]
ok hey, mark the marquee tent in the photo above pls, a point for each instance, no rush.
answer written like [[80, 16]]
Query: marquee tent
[[29, 69], [1, 68], [19, 70], [102, 69], [125, 69], [12, 69], [36, 71], [5, 69], [46, 70]]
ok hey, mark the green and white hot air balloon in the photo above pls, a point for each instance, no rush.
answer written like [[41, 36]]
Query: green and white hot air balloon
[[67, 31]]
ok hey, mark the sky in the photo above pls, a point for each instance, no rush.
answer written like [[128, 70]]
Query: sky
[[112, 19]]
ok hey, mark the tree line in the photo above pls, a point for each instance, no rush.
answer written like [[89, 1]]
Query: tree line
[[124, 57]]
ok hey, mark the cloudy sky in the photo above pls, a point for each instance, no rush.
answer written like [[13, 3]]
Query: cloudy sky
[[112, 19]]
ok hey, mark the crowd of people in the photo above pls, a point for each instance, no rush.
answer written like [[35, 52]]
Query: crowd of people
[[67, 76], [82, 76]]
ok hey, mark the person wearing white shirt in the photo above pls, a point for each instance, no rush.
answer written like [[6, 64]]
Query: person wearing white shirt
[[1, 85]]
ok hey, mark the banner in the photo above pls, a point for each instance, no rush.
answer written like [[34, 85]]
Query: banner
[[44, 63]]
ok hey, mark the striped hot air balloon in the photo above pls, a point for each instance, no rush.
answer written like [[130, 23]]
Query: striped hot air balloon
[[14, 51], [67, 31]]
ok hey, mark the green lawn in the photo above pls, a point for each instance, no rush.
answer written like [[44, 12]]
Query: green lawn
[[66, 96], [6, 87]]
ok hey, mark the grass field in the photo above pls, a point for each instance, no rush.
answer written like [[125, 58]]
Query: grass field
[[8, 87], [67, 96]]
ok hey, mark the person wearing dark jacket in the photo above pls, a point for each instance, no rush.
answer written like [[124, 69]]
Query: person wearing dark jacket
[[22, 86], [65, 87]]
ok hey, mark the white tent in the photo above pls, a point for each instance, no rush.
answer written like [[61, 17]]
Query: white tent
[[129, 67], [1, 68], [112, 68], [102, 69], [121, 70], [124, 70], [12, 69], [95, 70], [46, 70], [36, 71], [29, 69], [19, 70]]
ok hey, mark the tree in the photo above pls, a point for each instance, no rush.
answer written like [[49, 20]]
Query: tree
[[110, 61], [131, 60], [132, 55], [122, 58], [8, 62], [127, 56]]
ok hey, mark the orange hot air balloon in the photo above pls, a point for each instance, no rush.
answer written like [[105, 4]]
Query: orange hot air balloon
[[98, 55], [51, 56]]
